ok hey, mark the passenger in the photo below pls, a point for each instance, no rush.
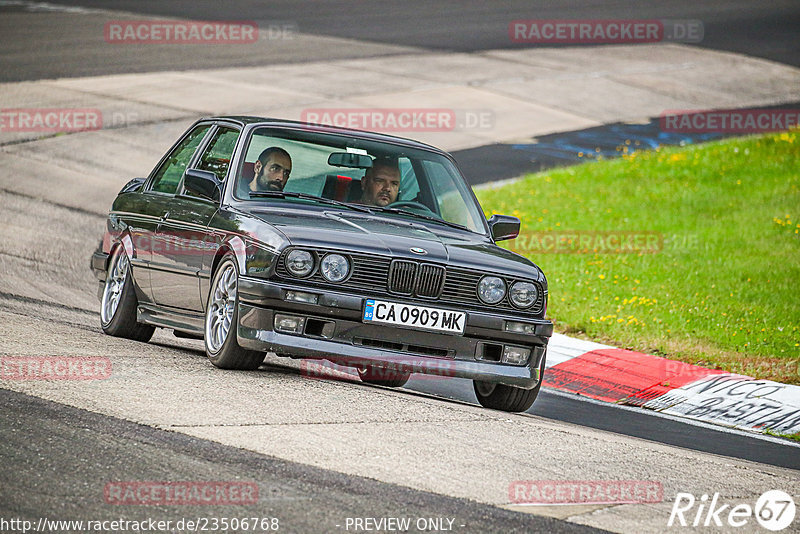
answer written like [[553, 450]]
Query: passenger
[[381, 183], [271, 170]]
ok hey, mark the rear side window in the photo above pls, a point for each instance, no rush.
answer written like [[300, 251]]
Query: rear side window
[[169, 175]]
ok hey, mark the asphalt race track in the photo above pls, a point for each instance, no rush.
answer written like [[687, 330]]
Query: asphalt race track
[[69, 47], [319, 451], [38, 440]]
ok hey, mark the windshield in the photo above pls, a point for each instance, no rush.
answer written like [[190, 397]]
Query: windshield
[[394, 180]]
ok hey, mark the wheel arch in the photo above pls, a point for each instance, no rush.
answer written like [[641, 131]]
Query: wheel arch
[[123, 241], [235, 245]]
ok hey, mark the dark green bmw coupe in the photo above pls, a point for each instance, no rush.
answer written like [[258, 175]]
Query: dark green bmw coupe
[[316, 242]]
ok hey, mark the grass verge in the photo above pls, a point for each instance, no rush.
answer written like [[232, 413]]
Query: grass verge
[[690, 253], [791, 437]]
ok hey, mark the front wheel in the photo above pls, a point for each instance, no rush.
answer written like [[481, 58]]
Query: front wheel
[[507, 398], [222, 316], [119, 303]]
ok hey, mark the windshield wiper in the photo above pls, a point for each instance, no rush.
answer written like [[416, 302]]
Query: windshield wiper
[[306, 196], [421, 216]]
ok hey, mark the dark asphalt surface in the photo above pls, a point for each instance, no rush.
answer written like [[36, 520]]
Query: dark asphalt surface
[[634, 423], [45, 44], [57, 461]]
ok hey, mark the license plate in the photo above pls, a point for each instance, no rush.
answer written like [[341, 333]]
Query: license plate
[[416, 317]]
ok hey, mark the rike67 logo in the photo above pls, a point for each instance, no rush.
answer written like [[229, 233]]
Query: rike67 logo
[[774, 510]]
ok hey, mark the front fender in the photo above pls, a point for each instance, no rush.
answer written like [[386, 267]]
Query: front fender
[[237, 245]]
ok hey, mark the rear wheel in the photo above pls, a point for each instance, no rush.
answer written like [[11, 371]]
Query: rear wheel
[[222, 316], [372, 374], [119, 303], [507, 398]]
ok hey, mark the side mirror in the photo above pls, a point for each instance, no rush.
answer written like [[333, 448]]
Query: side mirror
[[133, 186], [204, 184], [504, 227]]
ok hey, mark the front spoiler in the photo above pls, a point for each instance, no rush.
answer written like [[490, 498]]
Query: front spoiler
[[259, 300], [525, 377]]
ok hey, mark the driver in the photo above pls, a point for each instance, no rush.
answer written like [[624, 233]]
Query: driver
[[381, 183], [271, 170]]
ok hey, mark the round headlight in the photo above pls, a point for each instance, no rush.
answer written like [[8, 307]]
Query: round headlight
[[300, 262], [523, 294], [491, 289], [334, 267]]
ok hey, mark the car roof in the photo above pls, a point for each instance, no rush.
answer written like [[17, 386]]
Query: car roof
[[323, 128]]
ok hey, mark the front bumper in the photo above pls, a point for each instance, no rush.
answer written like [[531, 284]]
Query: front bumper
[[98, 263], [340, 335]]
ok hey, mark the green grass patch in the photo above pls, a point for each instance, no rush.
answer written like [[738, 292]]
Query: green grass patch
[[792, 437], [715, 275]]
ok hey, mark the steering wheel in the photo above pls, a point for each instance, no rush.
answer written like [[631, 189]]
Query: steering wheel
[[411, 204]]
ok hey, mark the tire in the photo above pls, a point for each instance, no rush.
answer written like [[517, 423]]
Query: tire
[[373, 374], [118, 304], [222, 316], [507, 398]]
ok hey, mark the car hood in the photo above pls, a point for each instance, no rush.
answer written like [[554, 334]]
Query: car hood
[[396, 237]]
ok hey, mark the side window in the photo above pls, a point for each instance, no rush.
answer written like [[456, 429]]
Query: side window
[[169, 175], [448, 197], [217, 157]]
